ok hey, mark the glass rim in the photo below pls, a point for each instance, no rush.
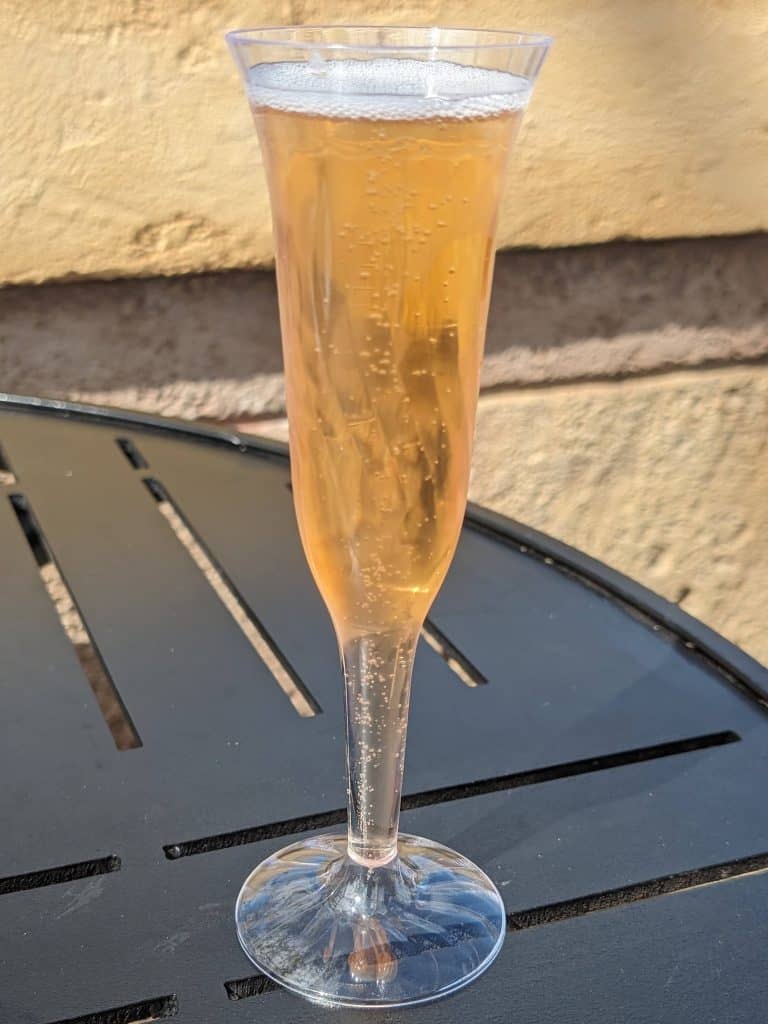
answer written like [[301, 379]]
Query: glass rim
[[280, 35]]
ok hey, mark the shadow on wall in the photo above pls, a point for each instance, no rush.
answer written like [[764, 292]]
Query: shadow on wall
[[209, 345]]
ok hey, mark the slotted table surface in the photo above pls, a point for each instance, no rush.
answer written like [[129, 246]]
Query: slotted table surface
[[607, 770]]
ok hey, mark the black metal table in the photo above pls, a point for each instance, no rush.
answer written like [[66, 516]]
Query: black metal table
[[597, 751]]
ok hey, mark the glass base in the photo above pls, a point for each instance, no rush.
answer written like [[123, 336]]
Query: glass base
[[342, 934]]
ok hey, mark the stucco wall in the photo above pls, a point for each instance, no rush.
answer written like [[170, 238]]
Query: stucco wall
[[209, 346], [128, 150]]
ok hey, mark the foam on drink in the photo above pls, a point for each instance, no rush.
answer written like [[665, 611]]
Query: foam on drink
[[386, 89]]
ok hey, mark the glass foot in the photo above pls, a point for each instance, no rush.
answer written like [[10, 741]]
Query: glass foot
[[342, 934]]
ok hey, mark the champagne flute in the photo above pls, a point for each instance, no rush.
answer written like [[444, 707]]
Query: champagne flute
[[386, 150]]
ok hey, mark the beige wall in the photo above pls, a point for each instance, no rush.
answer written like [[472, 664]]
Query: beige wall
[[208, 346], [127, 147]]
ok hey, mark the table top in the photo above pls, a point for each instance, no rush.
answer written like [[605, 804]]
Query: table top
[[171, 711]]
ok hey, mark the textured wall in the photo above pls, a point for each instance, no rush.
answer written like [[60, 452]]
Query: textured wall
[[209, 346], [128, 148]]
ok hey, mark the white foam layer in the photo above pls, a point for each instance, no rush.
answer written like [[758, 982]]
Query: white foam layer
[[385, 89]]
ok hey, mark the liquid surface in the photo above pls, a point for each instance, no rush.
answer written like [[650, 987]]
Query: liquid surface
[[387, 89], [384, 208]]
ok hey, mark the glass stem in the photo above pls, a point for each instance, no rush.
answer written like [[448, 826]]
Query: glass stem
[[377, 675]]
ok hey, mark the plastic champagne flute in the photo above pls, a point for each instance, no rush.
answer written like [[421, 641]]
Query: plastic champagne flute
[[386, 151]]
